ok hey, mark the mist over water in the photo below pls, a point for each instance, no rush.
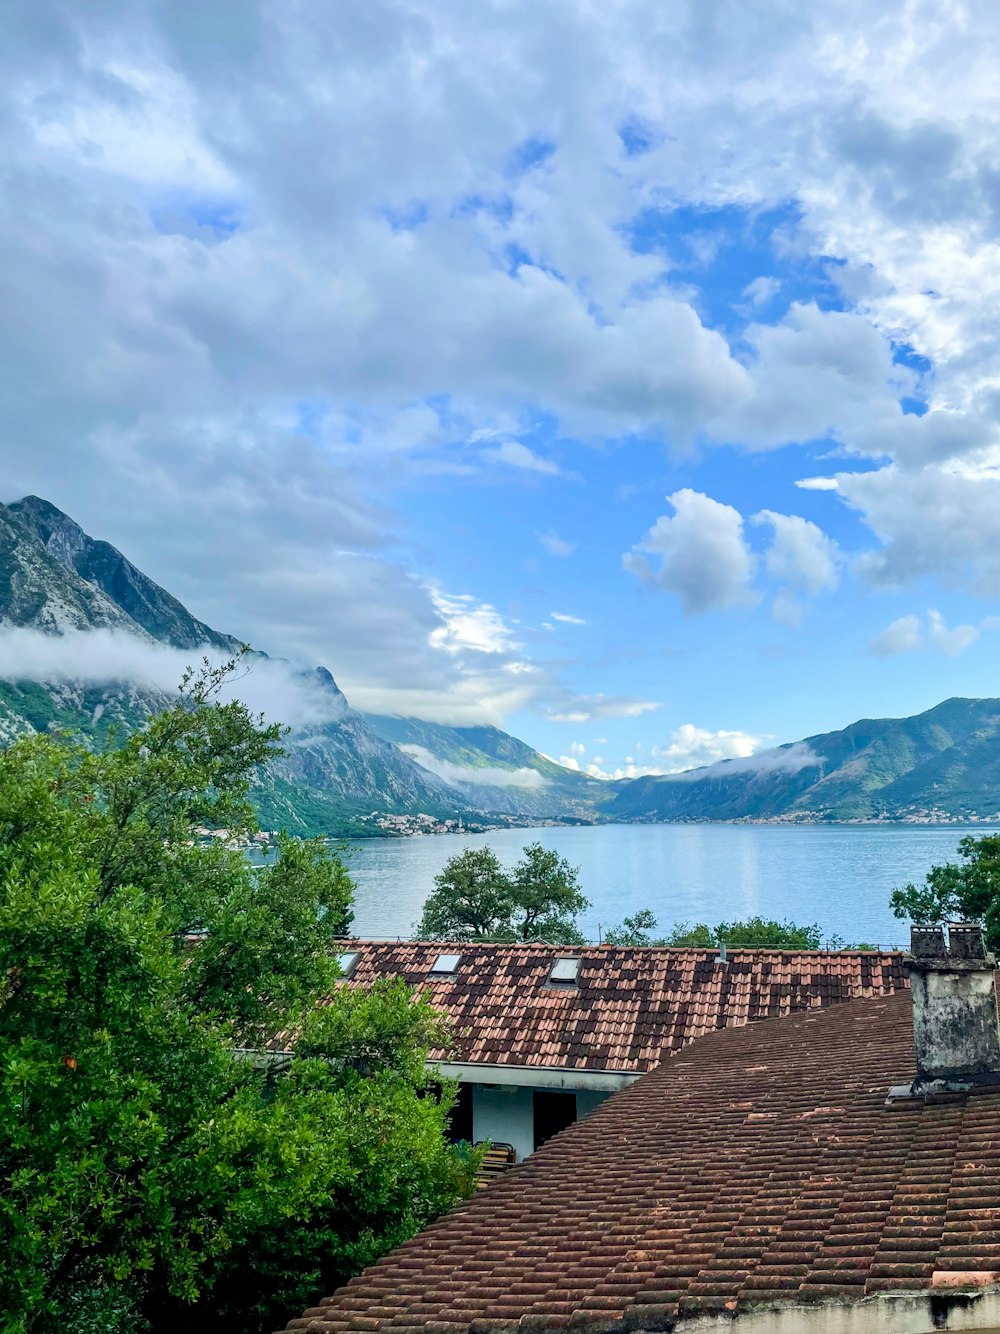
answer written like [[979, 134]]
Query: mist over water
[[838, 877]]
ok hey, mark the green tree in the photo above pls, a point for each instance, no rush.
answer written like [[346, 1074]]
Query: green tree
[[156, 1174], [477, 898], [472, 900], [966, 891], [547, 897], [754, 931], [633, 931]]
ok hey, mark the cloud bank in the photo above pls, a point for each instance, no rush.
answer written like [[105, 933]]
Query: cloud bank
[[489, 776], [782, 759], [112, 658]]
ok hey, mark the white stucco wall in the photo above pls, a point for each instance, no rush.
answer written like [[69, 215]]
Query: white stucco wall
[[505, 1115]]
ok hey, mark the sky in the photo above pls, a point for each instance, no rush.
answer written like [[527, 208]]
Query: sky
[[622, 374]]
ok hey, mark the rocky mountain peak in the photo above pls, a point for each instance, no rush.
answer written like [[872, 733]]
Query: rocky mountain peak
[[148, 605], [61, 536], [39, 591]]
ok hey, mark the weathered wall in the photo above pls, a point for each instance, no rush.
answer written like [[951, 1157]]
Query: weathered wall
[[917, 1313], [955, 1022]]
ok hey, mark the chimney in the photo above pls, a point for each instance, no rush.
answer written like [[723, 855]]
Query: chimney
[[955, 1027]]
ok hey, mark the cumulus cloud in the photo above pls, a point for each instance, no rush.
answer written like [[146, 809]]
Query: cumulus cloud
[[908, 635], [801, 559], [800, 556], [699, 554], [690, 746], [903, 635], [818, 373], [234, 331], [936, 520], [487, 776], [952, 641], [467, 624]]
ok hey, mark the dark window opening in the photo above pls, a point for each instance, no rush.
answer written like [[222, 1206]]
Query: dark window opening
[[460, 1120], [553, 1111]]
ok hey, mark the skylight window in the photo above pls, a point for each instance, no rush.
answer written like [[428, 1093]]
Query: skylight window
[[445, 964], [347, 962], [565, 971]]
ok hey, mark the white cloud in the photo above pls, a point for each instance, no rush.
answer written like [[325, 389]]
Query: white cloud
[[949, 641], [470, 625], [780, 759], [904, 635], [108, 657], [592, 708], [566, 619], [908, 634], [690, 746], [762, 289], [935, 521], [171, 245], [814, 374], [555, 545], [802, 559], [516, 455], [487, 776], [700, 554], [577, 748], [817, 483], [801, 556]]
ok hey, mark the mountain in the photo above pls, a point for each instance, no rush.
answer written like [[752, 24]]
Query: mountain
[[350, 773], [54, 578], [39, 591], [944, 762], [496, 771], [101, 566]]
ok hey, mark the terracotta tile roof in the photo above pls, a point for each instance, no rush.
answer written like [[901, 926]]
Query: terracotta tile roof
[[630, 1005], [760, 1165]]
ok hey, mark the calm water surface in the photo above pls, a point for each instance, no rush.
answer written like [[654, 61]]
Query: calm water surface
[[837, 877]]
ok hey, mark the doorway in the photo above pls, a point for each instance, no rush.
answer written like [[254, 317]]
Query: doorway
[[460, 1119], [553, 1111]]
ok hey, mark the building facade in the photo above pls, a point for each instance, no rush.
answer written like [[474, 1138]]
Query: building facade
[[544, 1034]]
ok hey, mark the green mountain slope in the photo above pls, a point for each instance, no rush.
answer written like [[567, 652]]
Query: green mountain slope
[[496, 771], [942, 762]]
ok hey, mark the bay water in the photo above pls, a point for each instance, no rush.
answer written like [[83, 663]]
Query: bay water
[[838, 876]]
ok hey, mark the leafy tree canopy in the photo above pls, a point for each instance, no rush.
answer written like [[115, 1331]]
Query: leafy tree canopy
[[160, 1172], [754, 931], [965, 891], [477, 898]]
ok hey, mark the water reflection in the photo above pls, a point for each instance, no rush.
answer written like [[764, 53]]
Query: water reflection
[[839, 877]]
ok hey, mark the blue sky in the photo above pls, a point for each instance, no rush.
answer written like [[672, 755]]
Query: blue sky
[[640, 399]]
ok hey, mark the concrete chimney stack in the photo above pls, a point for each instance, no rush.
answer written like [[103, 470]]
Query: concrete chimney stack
[[955, 1026]]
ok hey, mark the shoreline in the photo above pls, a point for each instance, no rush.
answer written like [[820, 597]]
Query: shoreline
[[777, 821]]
